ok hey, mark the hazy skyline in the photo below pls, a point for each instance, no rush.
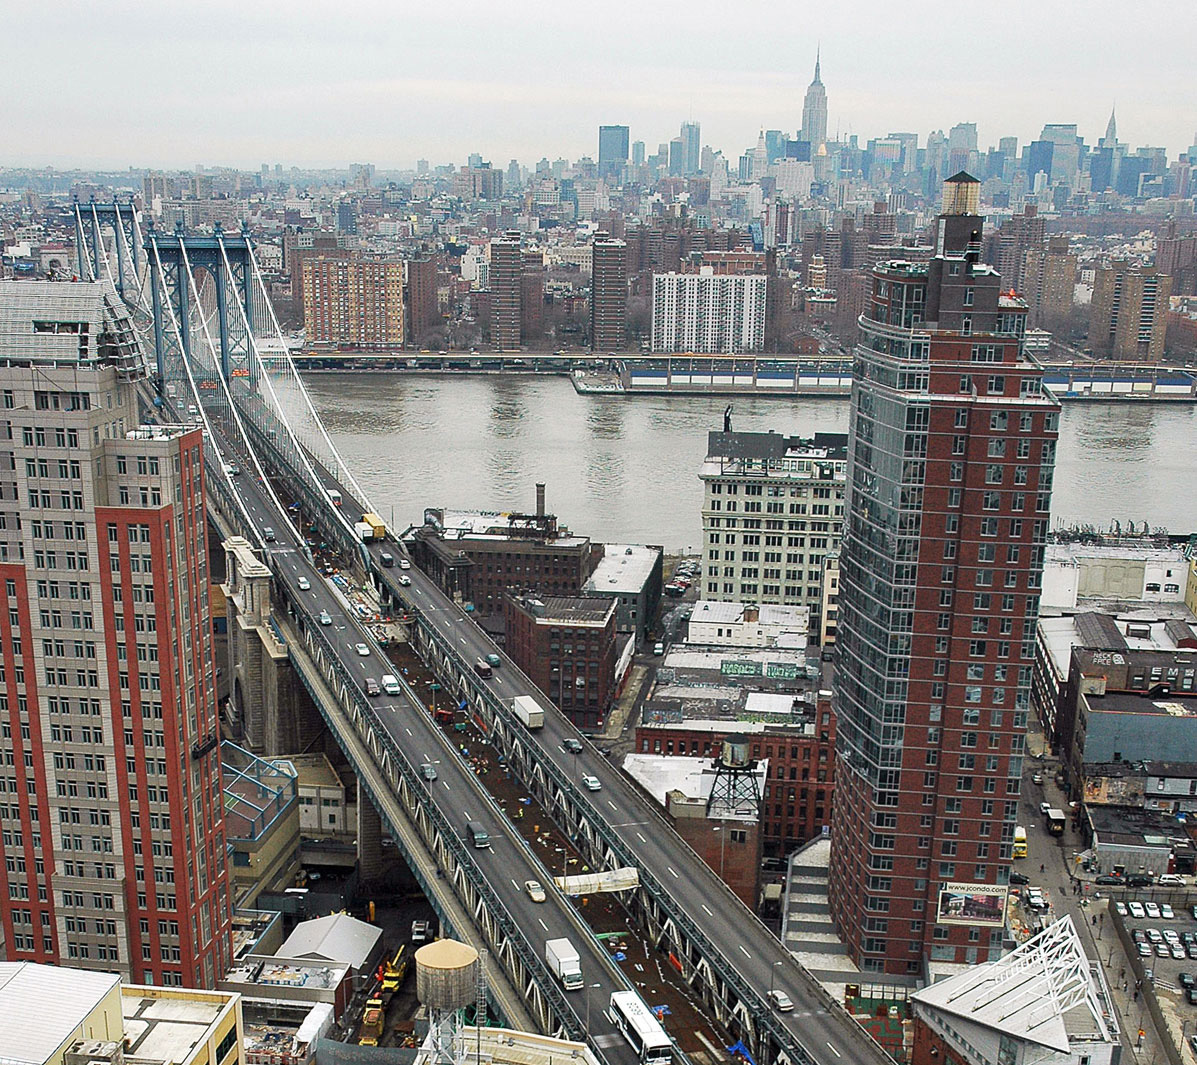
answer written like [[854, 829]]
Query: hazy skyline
[[316, 84]]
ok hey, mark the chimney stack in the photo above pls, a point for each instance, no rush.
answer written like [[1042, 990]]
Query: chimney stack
[[540, 500]]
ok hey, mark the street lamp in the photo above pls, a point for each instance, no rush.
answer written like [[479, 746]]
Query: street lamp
[[589, 988]]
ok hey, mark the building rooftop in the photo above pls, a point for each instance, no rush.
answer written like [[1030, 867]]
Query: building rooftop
[[624, 568], [43, 1006], [568, 609], [166, 1025], [1046, 993], [660, 774], [500, 525], [1131, 826], [337, 937], [771, 449]]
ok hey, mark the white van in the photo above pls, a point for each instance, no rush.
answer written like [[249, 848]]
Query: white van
[[390, 684]]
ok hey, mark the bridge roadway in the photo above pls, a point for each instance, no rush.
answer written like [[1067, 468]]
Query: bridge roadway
[[829, 1036], [750, 958], [508, 863]]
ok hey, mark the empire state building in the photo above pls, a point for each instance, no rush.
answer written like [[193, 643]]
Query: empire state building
[[814, 112]]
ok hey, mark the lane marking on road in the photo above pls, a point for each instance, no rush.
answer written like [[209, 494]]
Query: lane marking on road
[[408, 731], [542, 924], [834, 1051], [675, 877], [514, 884], [743, 951], [706, 911], [612, 805]]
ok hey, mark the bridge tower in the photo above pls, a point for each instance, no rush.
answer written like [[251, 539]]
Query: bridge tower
[[92, 220], [228, 263]]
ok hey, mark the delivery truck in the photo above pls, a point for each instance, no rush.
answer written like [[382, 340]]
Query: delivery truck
[[528, 711], [378, 530], [562, 959]]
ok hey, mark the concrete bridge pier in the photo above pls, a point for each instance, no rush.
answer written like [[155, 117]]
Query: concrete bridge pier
[[369, 839]]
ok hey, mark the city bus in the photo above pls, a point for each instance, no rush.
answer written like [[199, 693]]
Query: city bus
[[1020, 843], [640, 1028], [1055, 822]]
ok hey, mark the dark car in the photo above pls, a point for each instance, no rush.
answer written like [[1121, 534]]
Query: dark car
[[1139, 880], [572, 745], [1019, 878], [1186, 980], [1110, 881], [1191, 995]]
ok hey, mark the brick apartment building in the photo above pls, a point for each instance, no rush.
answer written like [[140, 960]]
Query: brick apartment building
[[567, 646], [950, 471]]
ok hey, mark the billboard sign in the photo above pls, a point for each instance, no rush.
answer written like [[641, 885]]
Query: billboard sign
[[974, 904], [732, 668]]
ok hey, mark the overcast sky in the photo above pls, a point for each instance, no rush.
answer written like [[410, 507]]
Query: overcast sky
[[312, 83]]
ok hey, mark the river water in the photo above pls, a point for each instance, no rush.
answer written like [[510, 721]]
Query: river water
[[625, 468]]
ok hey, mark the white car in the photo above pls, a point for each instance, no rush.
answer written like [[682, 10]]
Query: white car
[[1044, 807], [404, 564], [362, 650], [1171, 935], [325, 617], [780, 1001], [304, 584], [1171, 879], [534, 890], [591, 783], [1166, 912], [1136, 910], [1152, 910], [404, 580]]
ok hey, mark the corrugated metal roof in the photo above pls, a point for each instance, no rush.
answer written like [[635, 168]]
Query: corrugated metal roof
[[1099, 632], [43, 1006]]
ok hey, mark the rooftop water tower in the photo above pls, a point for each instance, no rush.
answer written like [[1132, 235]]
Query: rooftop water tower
[[447, 975]]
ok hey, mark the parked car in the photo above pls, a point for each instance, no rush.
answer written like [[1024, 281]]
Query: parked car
[[1171, 880], [1037, 778], [1162, 950], [1152, 910], [1186, 980], [1137, 911], [1144, 950], [1110, 881], [1139, 936], [1177, 951], [1120, 909], [1166, 912], [1139, 880], [1191, 995], [1019, 878], [1154, 935]]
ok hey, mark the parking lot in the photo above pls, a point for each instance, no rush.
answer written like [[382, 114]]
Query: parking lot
[[1163, 939]]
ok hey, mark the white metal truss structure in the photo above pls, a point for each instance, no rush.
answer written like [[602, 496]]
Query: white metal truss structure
[[1039, 982]]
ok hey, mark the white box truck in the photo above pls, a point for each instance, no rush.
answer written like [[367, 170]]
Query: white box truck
[[528, 711], [562, 959], [364, 532]]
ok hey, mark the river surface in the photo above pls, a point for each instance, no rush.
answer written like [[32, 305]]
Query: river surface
[[626, 468]]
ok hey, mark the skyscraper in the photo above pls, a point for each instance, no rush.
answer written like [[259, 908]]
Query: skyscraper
[[423, 312], [506, 285], [814, 112], [608, 293], [110, 782], [691, 135], [952, 450], [612, 151]]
